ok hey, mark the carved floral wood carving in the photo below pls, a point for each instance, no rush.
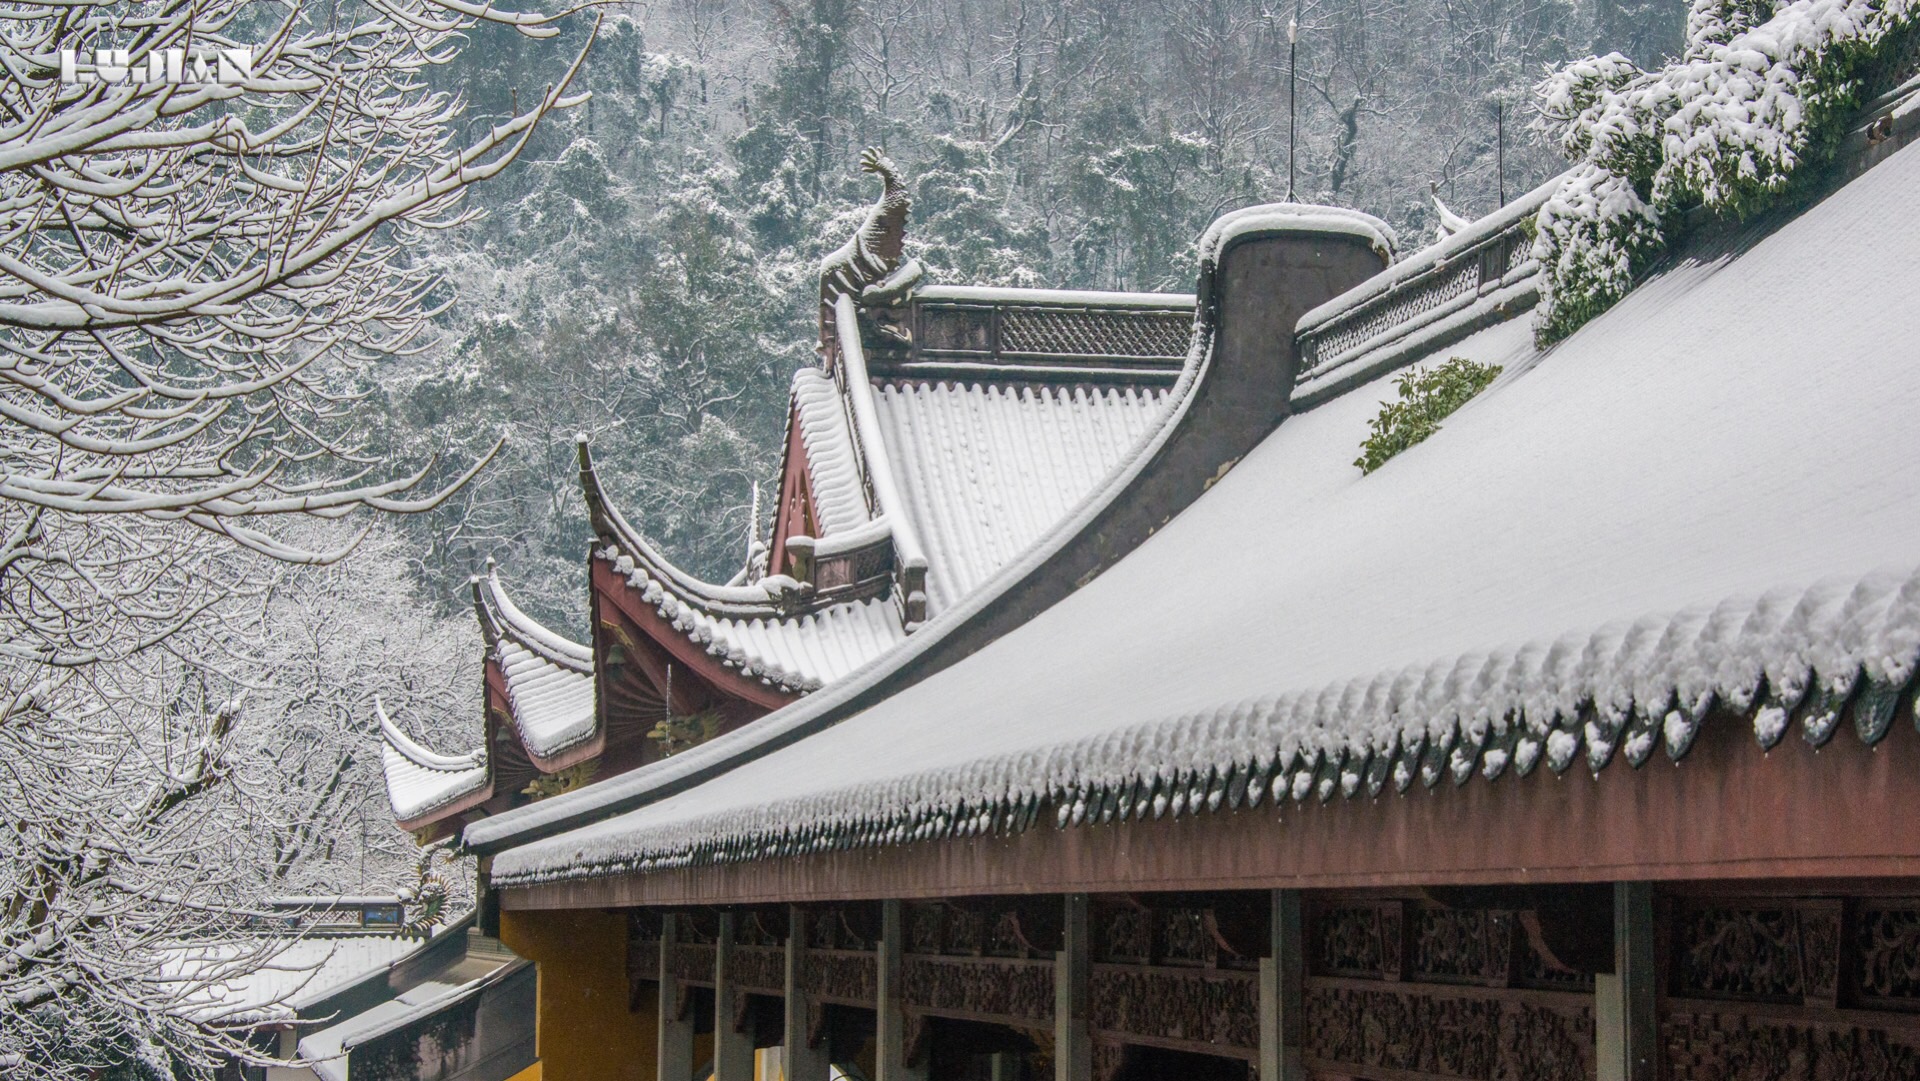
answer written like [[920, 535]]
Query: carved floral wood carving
[[966, 932], [1361, 940], [1185, 938], [850, 977], [924, 925], [760, 968], [1773, 951], [1204, 1010], [691, 962], [1008, 992], [1463, 945], [1126, 935], [1478, 1038], [1887, 941], [1734, 1047]]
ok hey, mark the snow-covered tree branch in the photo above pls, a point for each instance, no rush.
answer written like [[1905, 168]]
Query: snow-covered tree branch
[[197, 259]]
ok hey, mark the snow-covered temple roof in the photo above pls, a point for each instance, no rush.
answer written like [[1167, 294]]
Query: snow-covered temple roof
[[548, 680], [423, 784], [944, 432], [1704, 499]]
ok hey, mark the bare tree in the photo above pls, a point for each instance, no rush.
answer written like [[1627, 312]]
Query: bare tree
[[195, 259]]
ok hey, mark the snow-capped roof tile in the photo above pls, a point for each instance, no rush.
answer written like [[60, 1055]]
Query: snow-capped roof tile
[[994, 467], [833, 466], [1711, 483], [421, 781], [549, 679]]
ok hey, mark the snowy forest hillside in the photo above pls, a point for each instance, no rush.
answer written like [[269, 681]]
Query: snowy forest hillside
[[645, 274]]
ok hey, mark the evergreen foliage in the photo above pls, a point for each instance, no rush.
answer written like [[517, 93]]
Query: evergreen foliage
[[647, 274], [1426, 399], [1759, 99]]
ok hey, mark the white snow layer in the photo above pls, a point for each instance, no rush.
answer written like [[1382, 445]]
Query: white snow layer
[[994, 467], [302, 972], [553, 705], [419, 780], [800, 652], [833, 467]]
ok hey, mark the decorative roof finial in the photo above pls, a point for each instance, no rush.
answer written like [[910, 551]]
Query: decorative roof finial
[[870, 261]]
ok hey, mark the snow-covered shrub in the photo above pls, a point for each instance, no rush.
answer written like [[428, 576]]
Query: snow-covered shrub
[[1426, 399], [1760, 92]]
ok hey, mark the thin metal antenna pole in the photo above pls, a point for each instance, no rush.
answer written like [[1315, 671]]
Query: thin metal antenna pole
[[1500, 147], [1293, 46]]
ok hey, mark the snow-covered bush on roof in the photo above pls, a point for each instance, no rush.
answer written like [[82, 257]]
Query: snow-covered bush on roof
[[1760, 92]]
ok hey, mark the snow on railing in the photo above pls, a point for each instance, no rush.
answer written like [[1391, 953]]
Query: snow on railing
[[1481, 275]]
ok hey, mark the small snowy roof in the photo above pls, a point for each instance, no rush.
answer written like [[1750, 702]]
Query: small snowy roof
[[297, 974], [422, 782], [751, 628], [326, 1050], [549, 678], [798, 652], [1708, 493]]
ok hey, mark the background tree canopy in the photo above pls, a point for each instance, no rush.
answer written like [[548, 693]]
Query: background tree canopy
[[646, 274]]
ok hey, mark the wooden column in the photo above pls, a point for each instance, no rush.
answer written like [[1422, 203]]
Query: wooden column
[[1626, 1029], [676, 1036], [1072, 972], [891, 1014], [732, 1049], [803, 1063], [1283, 977]]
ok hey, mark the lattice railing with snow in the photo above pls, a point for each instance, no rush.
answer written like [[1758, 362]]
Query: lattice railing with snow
[[1479, 276]]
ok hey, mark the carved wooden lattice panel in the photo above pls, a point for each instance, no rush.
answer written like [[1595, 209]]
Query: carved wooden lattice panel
[[1125, 935], [1783, 950], [1214, 1012], [758, 968], [1012, 992], [848, 977], [691, 962], [1462, 945], [1702, 1046], [1361, 939], [1886, 943], [1446, 1033]]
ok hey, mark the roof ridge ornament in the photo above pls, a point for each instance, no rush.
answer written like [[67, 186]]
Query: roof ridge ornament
[[597, 511], [869, 266]]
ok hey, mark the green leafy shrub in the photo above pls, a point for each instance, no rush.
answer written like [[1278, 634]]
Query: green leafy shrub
[[1426, 399]]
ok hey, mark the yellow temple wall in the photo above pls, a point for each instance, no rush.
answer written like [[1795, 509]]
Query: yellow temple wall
[[584, 1030]]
